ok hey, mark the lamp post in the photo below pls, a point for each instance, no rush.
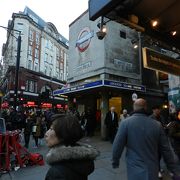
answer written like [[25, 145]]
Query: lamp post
[[140, 57], [17, 63], [17, 70]]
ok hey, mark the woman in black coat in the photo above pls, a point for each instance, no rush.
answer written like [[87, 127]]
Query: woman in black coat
[[69, 160], [174, 133]]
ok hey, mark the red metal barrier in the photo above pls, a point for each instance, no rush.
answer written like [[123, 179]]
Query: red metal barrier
[[13, 154]]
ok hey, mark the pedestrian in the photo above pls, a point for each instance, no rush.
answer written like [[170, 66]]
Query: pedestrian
[[37, 129], [174, 132], [143, 139], [124, 115], [12, 120], [156, 115], [68, 158], [111, 122], [28, 130]]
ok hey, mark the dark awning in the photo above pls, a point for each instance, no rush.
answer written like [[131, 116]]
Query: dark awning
[[166, 12]]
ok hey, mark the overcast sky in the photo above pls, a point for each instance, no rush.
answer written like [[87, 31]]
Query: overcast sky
[[60, 12]]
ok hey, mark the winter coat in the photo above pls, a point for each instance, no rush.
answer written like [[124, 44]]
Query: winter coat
[[144, 138], [109, 122], [174, 133], [70, 162], [28, 126]]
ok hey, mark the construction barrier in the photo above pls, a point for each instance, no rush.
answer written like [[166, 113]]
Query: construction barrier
[[13, 154]]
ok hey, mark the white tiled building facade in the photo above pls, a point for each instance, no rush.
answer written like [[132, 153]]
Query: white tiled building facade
[[43, 49], [43, 57]]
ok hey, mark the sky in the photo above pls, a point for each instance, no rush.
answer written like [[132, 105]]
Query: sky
[[59, 12]]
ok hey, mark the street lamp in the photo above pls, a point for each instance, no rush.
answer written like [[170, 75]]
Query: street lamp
[[17, 62]]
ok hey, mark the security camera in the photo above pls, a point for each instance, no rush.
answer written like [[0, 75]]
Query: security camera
[[100, 35]]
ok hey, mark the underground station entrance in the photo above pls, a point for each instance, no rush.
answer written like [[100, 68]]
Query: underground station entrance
[[159, 20]]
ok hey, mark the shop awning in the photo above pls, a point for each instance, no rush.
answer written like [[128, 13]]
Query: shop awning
[[166, 12], [100, 83]]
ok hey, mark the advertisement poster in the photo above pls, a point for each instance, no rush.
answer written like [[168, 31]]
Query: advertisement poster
[[174, 99]]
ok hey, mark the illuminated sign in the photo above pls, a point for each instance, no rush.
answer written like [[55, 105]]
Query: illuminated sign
[[84, 39], [59, 106], [157, 61], [30, 103], [46, 105]]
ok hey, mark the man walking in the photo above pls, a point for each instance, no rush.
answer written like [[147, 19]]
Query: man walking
[[156, 115], [144, 139], [111, 122]]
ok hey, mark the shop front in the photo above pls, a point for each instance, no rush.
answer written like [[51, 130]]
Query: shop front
[[99, 96]]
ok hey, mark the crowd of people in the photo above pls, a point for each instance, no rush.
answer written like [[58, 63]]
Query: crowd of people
[[30, 122], [147, 137]]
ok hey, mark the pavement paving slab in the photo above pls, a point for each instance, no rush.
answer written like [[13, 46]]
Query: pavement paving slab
[[103, 169]]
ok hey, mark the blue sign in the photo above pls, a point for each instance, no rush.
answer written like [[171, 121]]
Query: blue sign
[[96, 6], [79, 88], [99, 83], [123, 85]]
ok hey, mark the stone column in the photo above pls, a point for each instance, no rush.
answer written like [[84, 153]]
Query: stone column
[[104, 110]]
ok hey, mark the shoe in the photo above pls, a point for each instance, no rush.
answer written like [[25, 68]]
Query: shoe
[[160, 175]]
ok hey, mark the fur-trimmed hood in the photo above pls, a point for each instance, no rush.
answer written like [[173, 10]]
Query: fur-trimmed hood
[[63, 153]]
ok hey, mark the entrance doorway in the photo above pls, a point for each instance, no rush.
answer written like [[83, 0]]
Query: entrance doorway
[[117, 103]]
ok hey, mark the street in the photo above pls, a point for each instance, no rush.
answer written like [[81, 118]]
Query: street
[[103, 169]]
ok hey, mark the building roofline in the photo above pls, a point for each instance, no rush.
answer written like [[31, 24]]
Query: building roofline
[[78, 17]]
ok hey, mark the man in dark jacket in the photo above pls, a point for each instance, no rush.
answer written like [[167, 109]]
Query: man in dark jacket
[[12, 121], [111, 122], [174, 132], [156, 115], [144, 139]]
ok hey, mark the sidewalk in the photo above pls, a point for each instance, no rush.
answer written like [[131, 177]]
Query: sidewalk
[[103, 169]]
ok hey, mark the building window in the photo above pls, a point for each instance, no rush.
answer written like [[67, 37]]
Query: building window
[[51, 59], [30, 50], [37, 38], [46, 57], [31, 86], [45, 70], [51, 46], [30, 34], [57, 75], [36, 67], [50, 72], [61, 65], [47, 43], [36, 53], [30, 64]]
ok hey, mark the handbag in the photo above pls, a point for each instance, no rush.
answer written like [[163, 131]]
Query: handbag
[[34, 128]]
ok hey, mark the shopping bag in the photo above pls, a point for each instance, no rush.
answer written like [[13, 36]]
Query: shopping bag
[[34, 129]]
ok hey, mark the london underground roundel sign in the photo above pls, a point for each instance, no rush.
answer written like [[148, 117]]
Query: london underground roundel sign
[[84, 39]]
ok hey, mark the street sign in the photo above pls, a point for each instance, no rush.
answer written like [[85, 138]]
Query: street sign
[[134, 96], [157, 61]]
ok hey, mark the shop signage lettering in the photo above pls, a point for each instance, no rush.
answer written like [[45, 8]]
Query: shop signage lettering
[[84, 39], [100, 83], [157, 61]]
